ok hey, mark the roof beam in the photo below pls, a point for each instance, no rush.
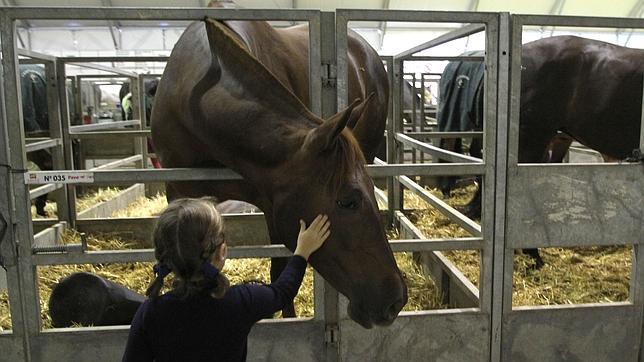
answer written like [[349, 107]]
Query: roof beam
[[114, 26], [635, 12], [382, 27], [555, 9], [474, 5]]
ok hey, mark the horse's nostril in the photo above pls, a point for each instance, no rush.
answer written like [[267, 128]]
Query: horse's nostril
[[392, 311]]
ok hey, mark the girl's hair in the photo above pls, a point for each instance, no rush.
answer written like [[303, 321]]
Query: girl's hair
[[186, 235]]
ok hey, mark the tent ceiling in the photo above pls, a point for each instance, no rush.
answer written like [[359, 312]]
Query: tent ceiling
[[621, 8], [62, 33]]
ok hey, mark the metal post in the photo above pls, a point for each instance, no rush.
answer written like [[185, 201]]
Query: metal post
[[20, 211], [391, 139], [637, 278], [68, 149], [397, 155], [55, 131], [333, 95], [499, 301]]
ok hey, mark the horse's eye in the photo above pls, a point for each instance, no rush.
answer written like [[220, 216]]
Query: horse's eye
[[350, 203]]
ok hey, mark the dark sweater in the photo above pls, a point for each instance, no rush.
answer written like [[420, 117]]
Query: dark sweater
[[203, 328]]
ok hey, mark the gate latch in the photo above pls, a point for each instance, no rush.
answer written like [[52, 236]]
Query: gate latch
[[329, 75]]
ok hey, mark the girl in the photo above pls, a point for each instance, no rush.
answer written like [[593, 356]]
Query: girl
[[202, 318]]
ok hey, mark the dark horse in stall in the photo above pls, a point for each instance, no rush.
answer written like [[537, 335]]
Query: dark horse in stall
[[579, 89], [235, 95]]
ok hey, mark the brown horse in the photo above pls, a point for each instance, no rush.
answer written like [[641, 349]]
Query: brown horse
[[234, 95], [579, 89], [588, 89]]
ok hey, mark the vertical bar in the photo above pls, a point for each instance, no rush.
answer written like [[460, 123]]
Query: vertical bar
[[7, 241], [68, 150], [342, 25], [331, 99], [55, 131], [422, 111], [137, 113], [637, 279], [501, 297], [391, 139], [490, 122], [315, 68], [414, 119], [19, 199], [395, 128]]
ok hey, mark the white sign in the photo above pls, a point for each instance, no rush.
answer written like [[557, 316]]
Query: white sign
[[59, 178]]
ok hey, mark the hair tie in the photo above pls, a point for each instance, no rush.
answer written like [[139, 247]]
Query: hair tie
[[209, 271], [161, 270]]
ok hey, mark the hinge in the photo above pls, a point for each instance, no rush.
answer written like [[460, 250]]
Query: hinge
[[329, 75], [331, 334]]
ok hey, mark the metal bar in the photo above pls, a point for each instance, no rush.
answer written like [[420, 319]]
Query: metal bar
[[445, 38], [154, 13], [78, 61], [36, 55], [494, 111], [99, 126], [434, 135], [23, 279], [43, 190], [147, 255], [117, 163], [103, 68], [107, 134], [451, 169], [436, 244], [579, 21], [454, 275], [390, 141], [427, 58], [436, 151], [41, 145], [463, 221], [416, 16]]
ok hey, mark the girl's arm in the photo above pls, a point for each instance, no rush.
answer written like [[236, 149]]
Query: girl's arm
[[264, 300]]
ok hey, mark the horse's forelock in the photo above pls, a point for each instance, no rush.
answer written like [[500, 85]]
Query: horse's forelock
[[345, 157]]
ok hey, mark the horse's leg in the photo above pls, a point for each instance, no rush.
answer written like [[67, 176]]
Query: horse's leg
[[533, 147], [41, 202], [473, 208], [534, 254], [446, 183]]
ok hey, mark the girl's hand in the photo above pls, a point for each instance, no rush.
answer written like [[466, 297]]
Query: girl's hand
[[310, 239]]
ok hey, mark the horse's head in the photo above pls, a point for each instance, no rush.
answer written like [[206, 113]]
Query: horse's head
[[328, 175], [322, 171]]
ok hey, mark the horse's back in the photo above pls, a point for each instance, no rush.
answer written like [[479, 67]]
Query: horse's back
[[589, 89]]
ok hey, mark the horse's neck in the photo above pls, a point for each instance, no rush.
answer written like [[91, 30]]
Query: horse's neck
[[249, 138], [283, 53]]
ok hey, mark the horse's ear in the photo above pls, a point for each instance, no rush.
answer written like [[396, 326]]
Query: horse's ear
[[361, 128], [323, 136]]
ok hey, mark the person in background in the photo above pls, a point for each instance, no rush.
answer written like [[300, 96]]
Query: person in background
[[202, 318]]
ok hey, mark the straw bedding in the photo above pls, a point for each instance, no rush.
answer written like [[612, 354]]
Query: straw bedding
[[570, 275]]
